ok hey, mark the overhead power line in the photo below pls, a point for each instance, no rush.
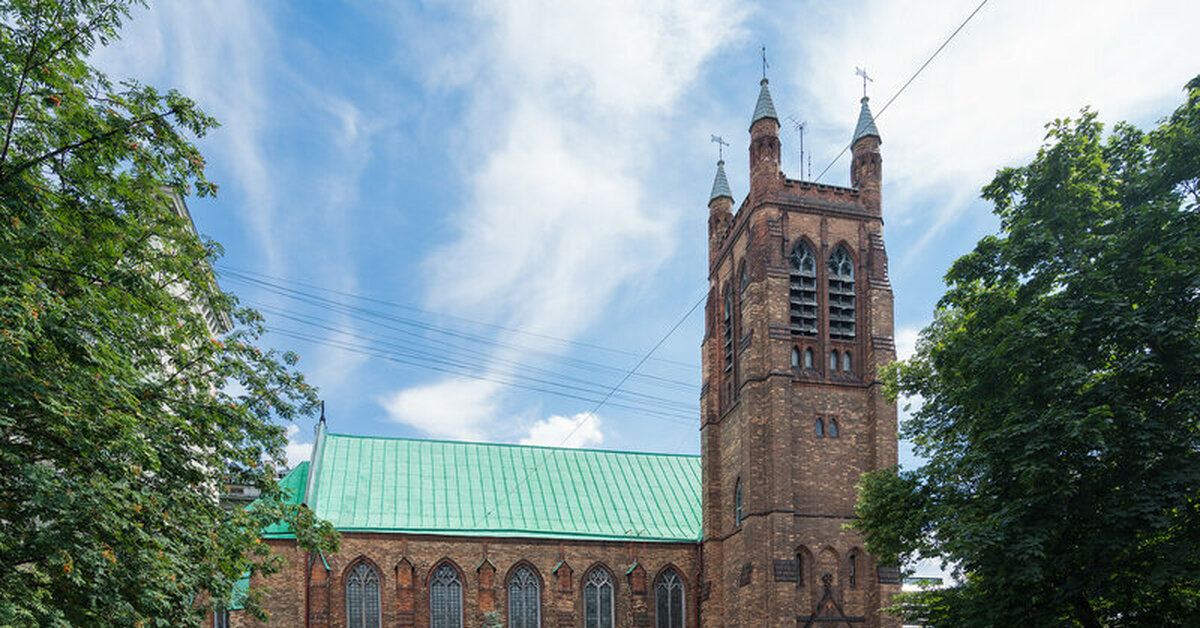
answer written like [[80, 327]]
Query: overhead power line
[[907, 83]]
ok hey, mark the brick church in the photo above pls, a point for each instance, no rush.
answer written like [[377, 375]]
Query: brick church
[[440, 534]]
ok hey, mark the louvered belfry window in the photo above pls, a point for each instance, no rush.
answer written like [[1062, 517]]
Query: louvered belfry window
[[362, 597], [598, 599], [524, 599], [841, 294], [445, 598], [803, 292], [668, 600]]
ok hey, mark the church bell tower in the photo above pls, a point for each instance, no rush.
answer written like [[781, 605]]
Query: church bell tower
[[798, 323]]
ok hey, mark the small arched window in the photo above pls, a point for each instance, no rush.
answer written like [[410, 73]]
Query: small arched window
[[841, 294], [808, 358], [846, 362], [362, 597], [445, 598], [743, 278], [727, 326], [598, 599], [833, 428], [524, 599], [802, 294], [799, 569], [795, 358], [668, 600], [833, 362], [737, 503], [852, 570], [819, 427]]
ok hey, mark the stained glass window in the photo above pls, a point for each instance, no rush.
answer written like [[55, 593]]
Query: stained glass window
[[362, 597], [524, 599], [598, 599], [445, 598], [668, 600], [802, 294], [841, 294]]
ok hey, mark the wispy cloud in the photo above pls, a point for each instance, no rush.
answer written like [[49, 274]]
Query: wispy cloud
[[565, 105]]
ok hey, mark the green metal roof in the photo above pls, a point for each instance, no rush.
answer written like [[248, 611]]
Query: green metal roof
[[293, 485], [866, 123], [720, 184], [361, 483], [765, 107]]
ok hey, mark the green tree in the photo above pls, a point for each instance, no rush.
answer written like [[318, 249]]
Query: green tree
[[1059, 388], [120, 415]]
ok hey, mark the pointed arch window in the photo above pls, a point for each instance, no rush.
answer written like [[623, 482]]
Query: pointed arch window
[[841, 294], [819, 427], [524, 599], [833, 362], [808, 358], [727, 327], [668, 600], [743, 277], [802, 294], [598, 599], [846, 362], [852, 571], [445, 598], [833, 428], [737, 503], [795, 357], [362, 597]]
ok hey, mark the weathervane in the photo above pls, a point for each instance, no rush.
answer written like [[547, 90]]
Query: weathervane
[[765, 64], [863, 73], [721, 144]]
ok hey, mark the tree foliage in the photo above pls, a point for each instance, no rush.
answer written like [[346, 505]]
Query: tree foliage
[[120, 414], [1059, 388]]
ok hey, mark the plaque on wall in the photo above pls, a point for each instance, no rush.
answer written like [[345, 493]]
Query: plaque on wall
[[785, 570], [747, 572], [888, 575]]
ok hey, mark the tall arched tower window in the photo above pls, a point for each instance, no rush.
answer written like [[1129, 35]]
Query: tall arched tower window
[[737, 503], [727, 329], [668, 600], [362, 597], [598, 599], [524, 599], [803, 291], [841, 294], [445, 598]]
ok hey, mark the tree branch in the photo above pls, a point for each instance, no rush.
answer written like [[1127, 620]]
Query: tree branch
[[84, 142], [12, 118]]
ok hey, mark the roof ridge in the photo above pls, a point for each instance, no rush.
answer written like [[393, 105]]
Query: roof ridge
[[514, 445]]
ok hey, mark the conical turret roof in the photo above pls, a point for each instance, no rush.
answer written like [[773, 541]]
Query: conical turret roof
[[866, 123], [765, 108], [720, 184]]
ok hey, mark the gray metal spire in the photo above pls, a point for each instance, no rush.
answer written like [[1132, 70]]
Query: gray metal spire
[[866, 123], [765, 107], [720, 184]]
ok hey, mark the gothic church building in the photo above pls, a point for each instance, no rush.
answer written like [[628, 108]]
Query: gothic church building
[[441, 534]]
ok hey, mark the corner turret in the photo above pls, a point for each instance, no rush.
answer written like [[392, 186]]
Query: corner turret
[[720, 211], [866, 166]]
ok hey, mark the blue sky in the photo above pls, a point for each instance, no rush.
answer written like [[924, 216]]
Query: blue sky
[[470, 219]]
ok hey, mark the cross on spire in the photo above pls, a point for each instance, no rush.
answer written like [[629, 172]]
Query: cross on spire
[[721, 144], [765, 64], [863, 73]]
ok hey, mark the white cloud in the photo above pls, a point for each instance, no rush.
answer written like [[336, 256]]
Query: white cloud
[[906, 342], [982, 103], [296, 452], [452, 408], [579, 430]]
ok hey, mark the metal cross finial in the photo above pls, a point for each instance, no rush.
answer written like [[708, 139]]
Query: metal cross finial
[[863, 73], [765, 64], [721, 144]]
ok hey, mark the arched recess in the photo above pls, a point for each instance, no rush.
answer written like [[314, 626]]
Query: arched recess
[[599, 588], [362, 586], [670, 598], [805, 567], [523, 585], [445, 584], [828, 562]]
